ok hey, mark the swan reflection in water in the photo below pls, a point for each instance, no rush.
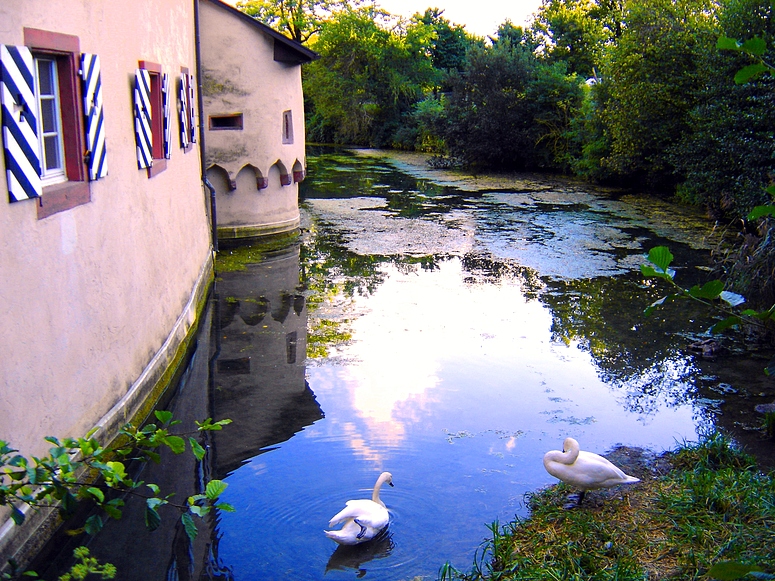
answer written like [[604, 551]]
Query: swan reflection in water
[[355, 556]]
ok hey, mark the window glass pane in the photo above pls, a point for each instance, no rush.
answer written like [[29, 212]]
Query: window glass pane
[[45, 77], [48, 115], [51, 147]]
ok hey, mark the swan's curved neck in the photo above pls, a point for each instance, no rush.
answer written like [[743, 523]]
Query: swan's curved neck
[[570, 451], [375, 494]]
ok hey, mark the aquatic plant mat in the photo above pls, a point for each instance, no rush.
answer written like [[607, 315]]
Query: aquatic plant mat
[[700, 506]]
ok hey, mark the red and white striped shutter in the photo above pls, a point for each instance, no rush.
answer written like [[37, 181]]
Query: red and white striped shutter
[[93, 111], [191, 107], [143, 135], [21, 143], [166, 97], [183, 113]]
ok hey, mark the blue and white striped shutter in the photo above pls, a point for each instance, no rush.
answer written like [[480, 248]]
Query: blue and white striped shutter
[[183, 114], [92, 110], [20, 122], [166, 97], [191, 107], [143, 136]]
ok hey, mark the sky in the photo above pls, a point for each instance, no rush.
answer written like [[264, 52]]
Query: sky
[[480, 17]]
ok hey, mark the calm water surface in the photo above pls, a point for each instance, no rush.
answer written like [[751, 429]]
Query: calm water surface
[[454, 336]]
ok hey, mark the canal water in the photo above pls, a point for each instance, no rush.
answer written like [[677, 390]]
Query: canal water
[[445, 328]]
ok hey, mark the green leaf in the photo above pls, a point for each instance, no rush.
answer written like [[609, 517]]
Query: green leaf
[[733, 299], [17, 515], [154, 502], [215, 488], [97, 494], [726, 43], [770, 190], [93, 524], [189, 525], [749, 72], [729, 570], [163, 416], [762, 211], [710, 290], [196, 498], [196, 448], [661, 257], [770, 369], [117, 468], [154, 487], [113, 508], [725, 324], [152, 518], [199, 511], [153, 457], [651, 272], [176, 444], [755, 46], [225, 507]]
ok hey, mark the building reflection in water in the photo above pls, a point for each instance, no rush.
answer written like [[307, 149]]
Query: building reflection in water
[[258, 368], [248, 365]]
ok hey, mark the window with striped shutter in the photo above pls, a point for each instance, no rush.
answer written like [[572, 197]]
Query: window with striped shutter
[[95, 122], [183, 114], [166, 97], [19, 122], [191, 108], [143, 135]]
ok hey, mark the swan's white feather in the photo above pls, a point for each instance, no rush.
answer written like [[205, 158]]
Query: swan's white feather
[[371, 515], [584, 470]]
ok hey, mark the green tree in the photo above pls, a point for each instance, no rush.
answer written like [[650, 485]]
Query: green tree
[[489, 121], [572, 31], [727, 156], [367, 79], [652, 80], [298, 19], [449, 42]]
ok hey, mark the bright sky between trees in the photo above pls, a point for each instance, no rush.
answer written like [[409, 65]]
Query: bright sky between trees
[[480, 17]]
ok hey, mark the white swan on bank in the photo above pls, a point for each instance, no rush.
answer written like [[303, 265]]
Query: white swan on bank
[[363, 519], [583, 470]]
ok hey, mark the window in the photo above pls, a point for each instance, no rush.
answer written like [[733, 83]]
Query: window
[[44, 135], [186, 116], [232, 121], [49, 123], [152, 118], [287, 127]]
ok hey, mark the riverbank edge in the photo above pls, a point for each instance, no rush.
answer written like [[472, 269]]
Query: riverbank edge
[[700, 505]]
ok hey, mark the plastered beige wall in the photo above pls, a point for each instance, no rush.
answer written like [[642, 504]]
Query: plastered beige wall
[[240, 75], [88, 296]]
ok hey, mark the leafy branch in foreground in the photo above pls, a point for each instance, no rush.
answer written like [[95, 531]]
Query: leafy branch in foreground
[[711, 294], [77, 470]]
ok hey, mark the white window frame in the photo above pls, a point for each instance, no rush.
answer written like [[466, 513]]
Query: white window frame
[[57, 173]]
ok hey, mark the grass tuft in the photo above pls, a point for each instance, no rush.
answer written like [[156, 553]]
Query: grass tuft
[[700, 505]]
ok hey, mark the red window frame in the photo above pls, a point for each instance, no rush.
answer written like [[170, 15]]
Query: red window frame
[[157, 118], [66, 50]]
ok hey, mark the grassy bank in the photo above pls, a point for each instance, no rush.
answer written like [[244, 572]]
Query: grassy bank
[[702, 505]]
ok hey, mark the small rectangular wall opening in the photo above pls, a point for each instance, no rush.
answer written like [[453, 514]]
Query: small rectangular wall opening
[[287, 127], [230, 121]]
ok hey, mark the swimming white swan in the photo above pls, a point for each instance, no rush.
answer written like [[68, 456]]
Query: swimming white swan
[[583, 470], [363, 519]]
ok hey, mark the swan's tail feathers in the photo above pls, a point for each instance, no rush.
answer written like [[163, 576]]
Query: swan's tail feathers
[[630, 479], [337, 536]]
